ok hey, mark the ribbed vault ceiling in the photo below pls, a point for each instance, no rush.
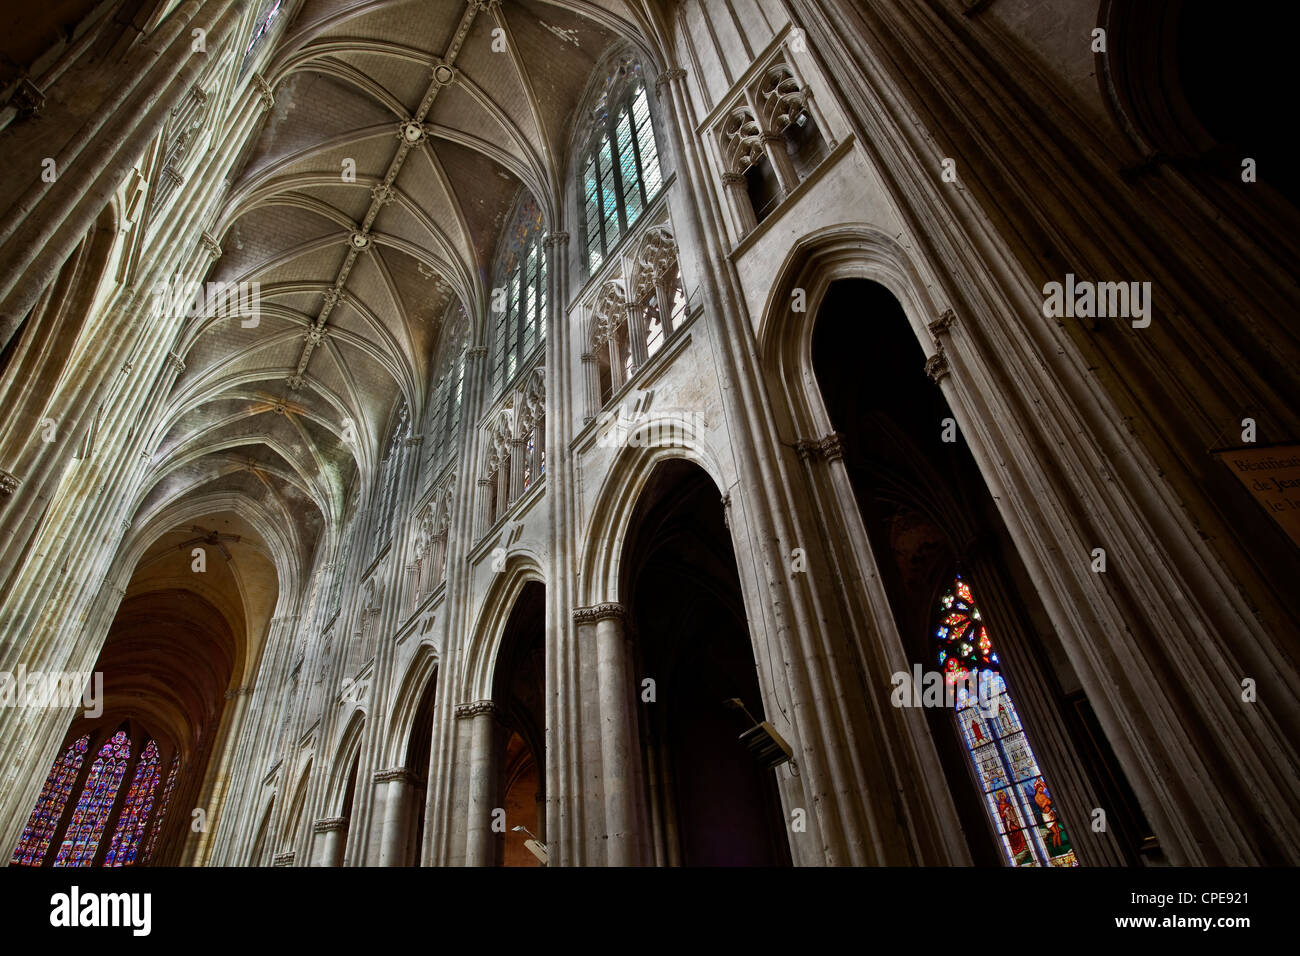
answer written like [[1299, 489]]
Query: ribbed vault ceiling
[[346, 333]]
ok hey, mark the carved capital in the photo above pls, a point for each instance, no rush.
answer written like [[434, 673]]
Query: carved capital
[[329, 824], [175, 362], [264, 91], [599, 612], [9, 483], [733, 179], [556, 239], [27, 98], [474, 708], [209, 242], [806, 448], [943, 323], [832, 446], [283, 859], [666, 77], [936, 366], [413, 441], [395, 773], [477, 352]]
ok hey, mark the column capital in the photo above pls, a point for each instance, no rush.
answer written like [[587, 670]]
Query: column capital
[[556, 239], [943, 323], [936, 366], [9, 483], [264, 91], [478, 351], [175, 362], [283, 859], [832, 446], [329, 824], [209, 242], [395, 773], [666, 77], [733, 179], [414, 440], [476, 707], [610, 610]]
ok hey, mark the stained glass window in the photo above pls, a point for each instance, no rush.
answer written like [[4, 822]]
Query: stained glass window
[[161, 816], [263, 25], [97, 796], [621, 174], [35, 842], [134, 818], [528, 463], [1013, 788], [519, 295]]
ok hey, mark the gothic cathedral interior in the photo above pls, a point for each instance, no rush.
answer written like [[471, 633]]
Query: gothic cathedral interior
[[648, 433]]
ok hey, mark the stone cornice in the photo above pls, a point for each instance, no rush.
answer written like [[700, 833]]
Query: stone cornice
[[599, 612]]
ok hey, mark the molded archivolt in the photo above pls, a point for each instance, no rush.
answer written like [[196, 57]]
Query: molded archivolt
[[851, 251], [522, 567], [406, 704], [617, 500]]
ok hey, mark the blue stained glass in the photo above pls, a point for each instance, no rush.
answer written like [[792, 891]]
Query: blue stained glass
[[1016, 796]]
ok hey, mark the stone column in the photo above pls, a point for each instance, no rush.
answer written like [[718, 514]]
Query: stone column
[[636, 335], [485, 493], [518, 457], [397, 807], [617, 372], [591, 386], [774, 147], [329, 841], [480, 845], [664, 292], [736, 188], [618, 737], [46, 221]]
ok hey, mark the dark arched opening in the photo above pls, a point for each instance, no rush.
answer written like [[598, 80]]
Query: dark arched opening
[[711, 804]]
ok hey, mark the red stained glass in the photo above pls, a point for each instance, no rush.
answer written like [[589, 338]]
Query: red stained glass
[[35, 842], [134, 818], [87, 826]]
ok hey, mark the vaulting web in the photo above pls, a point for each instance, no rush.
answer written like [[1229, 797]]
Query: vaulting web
[[1015, 793]]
